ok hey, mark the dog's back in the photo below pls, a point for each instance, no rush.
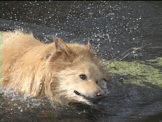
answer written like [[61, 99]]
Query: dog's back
[[18, 50]]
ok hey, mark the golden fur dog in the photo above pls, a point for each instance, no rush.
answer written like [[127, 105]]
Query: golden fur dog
[[65, 73]]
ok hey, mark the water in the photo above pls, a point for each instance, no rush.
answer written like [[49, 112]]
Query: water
[[112, 27]]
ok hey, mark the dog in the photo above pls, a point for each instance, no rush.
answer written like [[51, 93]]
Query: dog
[[63, 72]]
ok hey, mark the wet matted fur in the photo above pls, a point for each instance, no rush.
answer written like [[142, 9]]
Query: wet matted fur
[[65, 73]]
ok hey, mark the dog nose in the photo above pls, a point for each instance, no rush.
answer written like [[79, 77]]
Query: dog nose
[[99, 94]]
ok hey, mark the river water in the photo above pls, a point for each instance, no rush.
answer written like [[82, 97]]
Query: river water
[[112, 27]]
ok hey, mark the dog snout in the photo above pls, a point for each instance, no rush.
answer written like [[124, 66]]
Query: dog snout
[[99, 95]]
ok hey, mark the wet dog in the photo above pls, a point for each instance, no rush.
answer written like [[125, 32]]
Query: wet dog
[[65, 73]]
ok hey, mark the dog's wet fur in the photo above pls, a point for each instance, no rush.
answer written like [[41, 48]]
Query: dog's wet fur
[[65, 73]]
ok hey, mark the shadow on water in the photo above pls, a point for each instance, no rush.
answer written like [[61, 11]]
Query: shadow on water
[[113, 27]]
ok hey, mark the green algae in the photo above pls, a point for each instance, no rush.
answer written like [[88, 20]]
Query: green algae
[[157, 61], [138, 73]]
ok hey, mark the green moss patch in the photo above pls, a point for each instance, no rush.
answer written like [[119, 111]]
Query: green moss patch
[[157, 61], [137, 73]]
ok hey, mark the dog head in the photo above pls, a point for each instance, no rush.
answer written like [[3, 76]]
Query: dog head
[[78, 75]]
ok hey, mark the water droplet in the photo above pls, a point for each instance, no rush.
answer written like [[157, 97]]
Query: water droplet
[[21, 110]]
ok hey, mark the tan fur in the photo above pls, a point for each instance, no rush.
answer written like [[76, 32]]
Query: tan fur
[[24, 67]]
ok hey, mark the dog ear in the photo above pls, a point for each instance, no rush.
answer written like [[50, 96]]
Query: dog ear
[[90, 46], [106, 78], [62, 51], [61, 46]]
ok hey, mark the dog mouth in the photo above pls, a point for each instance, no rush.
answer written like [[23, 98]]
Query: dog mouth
[[86, 99]]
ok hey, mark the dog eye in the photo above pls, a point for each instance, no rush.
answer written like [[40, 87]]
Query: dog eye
[[83, 77]]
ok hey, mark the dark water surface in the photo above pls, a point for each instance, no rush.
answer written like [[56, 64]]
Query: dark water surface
[[112, 27]]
